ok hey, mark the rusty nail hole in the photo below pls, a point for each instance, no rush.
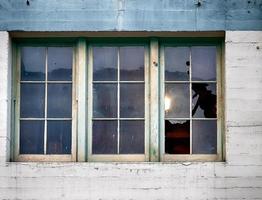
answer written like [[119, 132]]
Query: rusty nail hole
[[155, 63], [248, 11], [248, 1], [258, 48], [187, 63], [198, 3], [27, 2]]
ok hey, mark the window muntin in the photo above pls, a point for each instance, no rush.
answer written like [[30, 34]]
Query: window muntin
[[191, 111], [44, 109], [119, 124]]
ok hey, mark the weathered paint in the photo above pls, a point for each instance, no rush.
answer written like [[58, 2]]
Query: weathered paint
[[130, 15], [240, 177]]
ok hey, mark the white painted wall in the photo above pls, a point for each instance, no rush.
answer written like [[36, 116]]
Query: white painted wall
[[240, 177]]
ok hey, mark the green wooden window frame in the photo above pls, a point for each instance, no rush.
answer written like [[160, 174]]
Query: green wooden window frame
[[154, 99]]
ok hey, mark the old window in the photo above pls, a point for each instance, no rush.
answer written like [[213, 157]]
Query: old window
[[95, 99], [45, 91]]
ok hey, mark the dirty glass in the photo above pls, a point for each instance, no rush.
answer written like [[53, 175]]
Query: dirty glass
[[132, 100], [104, 100], [204, 100], [31, 137], [32, 102], [104, 137], [177, 95], [59, 100], [203, 63], [131, 63], [105, 63], [204, 137], [177, 62], [177, 136], [59, 137], [60, 60], [132, 137], [33, 63]]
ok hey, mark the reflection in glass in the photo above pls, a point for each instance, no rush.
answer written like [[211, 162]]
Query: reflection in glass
[[31, 137], [105, 63], [32, 100], [132, 139], [59, 100], [177, 137], [204, 100], [203, 63], [32, 63], [104, 137], [60, 61], [105, 100], [132, 63], [177, 62], [132, 100], [58, 137], [204, 137], [179, 100]]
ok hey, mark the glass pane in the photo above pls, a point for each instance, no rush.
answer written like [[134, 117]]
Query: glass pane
[[132, 100], [32, 63], [177, 62], [105, 63], [60, 61], [203, 63], [32, 100], [177, 137], [58, 137], [105, 100], [204, 137], [104, 137], [59, 100], [132, 63], [132, 137], [31, 137], [204, 100], [177, 101]]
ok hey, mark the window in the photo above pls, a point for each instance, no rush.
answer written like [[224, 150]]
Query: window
[[94, 100]]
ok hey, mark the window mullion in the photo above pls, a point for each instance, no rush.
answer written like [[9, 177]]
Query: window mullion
[[46, 78], [118, 100]]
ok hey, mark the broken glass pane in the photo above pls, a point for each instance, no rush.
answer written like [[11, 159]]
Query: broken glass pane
[[104, 137], [204, 137], [203, 63], [58, 137], [177, 137], [132, 139], [60, 61], [177, 98], [132, 63], [104, 100], [204, 100], [105, 63], [32, 64], [177, 62]]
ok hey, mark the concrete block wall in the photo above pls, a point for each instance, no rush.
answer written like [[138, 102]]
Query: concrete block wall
[[239, 177]]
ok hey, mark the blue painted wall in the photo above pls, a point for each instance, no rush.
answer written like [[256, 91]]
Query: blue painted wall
[[130, 15]]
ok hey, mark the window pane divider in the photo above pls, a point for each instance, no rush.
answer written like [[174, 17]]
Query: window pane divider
[[190, 81], [118, 82], [46, 78], [46, 82]]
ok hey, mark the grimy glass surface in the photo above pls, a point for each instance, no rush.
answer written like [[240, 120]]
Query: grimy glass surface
[[59, 100], [177, 61], [115, 101], [131, 63], [60, 60], [203, 63], [41, 101], [33, 63], [178, 95], [105, 63], [32, 102], [104, 100], [177, 137], [104, 137], [204, 137], [132, 100], [31, 137], [132, 137], [59, 137], [204, 100]]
